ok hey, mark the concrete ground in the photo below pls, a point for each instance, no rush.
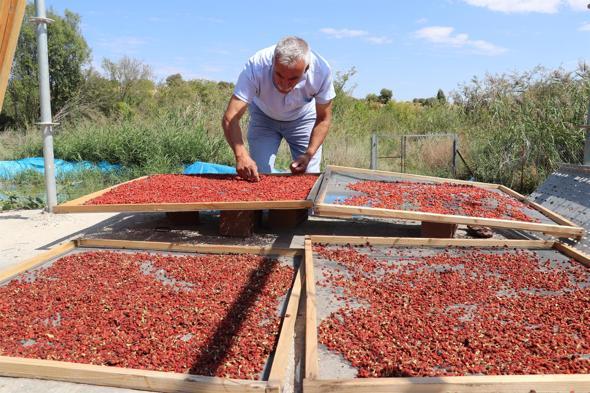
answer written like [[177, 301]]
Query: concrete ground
[[26, 233]]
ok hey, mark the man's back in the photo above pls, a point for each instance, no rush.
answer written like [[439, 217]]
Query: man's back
[[255, 85]]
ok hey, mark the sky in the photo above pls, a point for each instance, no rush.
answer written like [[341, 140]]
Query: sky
[[411, 47]]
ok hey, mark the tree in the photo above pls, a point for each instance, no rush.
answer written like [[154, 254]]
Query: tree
[[385, 95], [133, 78], [372, 97], [68, 54], [440, 96]]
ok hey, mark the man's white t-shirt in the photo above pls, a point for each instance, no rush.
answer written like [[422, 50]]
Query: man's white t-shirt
[[255, 85]]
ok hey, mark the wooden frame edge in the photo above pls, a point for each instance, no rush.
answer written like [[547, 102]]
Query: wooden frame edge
[[158, 381], [351, 170], [460, 384], [14, 12], [432, 242], [325, 209], [187, 247], [311, 339], [183, 207], [278, 368], [540, 208], [573, 253], [32, 262]]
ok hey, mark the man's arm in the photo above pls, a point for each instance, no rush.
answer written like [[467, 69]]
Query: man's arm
[[318, 134], [245, 166]]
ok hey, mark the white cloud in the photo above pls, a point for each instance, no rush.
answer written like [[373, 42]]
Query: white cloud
[[578, 5], [343, 33], [122, 45], [379, 40], [350, 33], [524, 6], [584, 27], [443, 35]]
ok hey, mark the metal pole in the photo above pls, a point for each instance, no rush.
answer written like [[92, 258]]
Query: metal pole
[[587, 141], [374, 151], [45, 99]]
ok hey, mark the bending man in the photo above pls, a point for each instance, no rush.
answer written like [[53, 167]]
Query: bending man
[[288, 90]]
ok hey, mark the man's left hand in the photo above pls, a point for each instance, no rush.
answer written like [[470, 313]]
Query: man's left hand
[[300, 164]]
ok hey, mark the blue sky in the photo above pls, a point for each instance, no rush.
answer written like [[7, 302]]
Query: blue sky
[[411, 47]]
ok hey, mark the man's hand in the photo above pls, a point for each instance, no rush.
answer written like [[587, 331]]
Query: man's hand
[[300, 164], [247, 168]]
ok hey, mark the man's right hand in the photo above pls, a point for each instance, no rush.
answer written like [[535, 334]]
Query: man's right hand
[[247, 168]]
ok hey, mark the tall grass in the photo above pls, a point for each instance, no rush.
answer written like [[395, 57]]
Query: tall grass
[[158, 144]]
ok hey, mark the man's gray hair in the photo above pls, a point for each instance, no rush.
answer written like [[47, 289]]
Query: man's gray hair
[[290, 50]]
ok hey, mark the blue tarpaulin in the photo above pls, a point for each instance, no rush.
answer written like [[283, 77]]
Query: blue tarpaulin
[[199, 168], [10, 169]]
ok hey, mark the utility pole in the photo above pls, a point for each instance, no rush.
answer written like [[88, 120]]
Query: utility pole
[[46, 122]]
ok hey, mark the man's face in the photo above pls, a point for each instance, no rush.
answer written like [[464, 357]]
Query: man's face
[[286, 77]]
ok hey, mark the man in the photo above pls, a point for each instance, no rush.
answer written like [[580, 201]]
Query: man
[[288, 89]]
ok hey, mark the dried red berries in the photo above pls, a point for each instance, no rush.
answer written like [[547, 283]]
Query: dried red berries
[[457, 312], [444, 198], [207, 188], [207, 315]]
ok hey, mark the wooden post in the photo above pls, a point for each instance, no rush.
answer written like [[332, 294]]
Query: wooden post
[[238, 223], [183, 218], [286, 219], [437, 230]]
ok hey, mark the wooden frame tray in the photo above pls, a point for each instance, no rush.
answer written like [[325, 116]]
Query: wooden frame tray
[[78, 205], [555, 224], [157, 380], [500, 383]]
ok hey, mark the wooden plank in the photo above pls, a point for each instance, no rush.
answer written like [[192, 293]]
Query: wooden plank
[[311, 336], [542, 209], [11, 16], [183, 207], [186, 247], [324, 186], [468, 384], [418, 241], [341, 210], [409, 176], [37, 260], [280, 362], [122, 377], [573, 253]]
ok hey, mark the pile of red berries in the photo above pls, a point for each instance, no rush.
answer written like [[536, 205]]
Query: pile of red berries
[[444, 198], [214, 315], [207, 188], [457, 312]]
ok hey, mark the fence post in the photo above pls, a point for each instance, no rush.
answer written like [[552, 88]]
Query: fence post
[[403, 154], [454, 159], [587, 140], [373, 151]]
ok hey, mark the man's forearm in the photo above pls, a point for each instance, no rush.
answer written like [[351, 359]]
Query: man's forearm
[[318, 134], [233, 135]]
